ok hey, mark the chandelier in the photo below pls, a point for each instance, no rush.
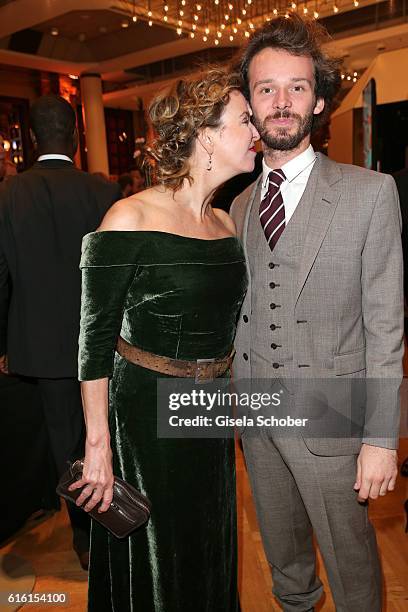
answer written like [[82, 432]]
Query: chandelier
[[220, 21]]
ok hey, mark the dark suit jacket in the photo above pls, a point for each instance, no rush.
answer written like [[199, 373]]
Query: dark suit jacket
[[44, 213], [401, 179]]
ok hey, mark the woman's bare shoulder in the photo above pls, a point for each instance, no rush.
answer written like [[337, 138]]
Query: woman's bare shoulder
[[226, 220], [130, 213]]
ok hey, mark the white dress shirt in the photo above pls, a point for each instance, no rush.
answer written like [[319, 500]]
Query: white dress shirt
[[54, 156], [297, 172]]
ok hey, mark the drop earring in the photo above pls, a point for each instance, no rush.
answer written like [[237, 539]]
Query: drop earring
[[209, 165]]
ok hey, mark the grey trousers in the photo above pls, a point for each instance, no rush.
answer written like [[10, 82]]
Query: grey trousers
[[297, 493]]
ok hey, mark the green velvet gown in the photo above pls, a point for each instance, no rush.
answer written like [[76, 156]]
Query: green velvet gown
[[179, 297]]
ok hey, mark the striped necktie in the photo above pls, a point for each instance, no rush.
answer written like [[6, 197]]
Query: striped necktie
[[272, 209]]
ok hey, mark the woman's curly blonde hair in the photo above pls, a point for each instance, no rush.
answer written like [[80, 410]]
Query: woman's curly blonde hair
[[177, 115]]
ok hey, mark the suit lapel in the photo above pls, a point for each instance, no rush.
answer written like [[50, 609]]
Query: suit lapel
[[254, 197], [324, 189]]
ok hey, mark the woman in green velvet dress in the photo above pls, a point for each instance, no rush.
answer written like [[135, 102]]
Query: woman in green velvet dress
[[167, 273]]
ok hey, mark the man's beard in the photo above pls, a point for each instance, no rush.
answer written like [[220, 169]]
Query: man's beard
[[282, 140]]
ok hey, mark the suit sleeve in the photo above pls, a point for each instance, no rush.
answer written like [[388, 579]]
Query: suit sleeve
[[4, 296], [383, 316], [4, 280]]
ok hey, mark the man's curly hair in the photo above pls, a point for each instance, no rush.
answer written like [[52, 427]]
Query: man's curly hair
[[177, 115], [298, 36]]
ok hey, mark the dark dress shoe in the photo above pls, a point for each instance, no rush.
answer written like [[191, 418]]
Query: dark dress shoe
[[83, 557]]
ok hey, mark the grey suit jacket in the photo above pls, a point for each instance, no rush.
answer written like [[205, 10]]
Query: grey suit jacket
[[350, 291]]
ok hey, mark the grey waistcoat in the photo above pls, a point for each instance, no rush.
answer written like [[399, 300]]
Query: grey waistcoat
[[274, 277]]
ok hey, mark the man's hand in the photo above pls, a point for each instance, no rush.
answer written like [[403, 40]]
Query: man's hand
[[376, 471], [4, 364]]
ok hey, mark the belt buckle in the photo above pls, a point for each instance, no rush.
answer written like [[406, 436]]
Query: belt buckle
[[200, 377]]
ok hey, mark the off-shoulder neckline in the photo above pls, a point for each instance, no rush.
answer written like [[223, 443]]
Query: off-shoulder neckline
[[164, 234]]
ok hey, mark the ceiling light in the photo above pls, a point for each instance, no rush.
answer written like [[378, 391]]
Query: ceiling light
[[54, 32], [124, 23]]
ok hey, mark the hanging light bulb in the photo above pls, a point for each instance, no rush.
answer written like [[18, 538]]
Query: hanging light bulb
[[231, 38], [223, 26], [150, 23], [316, 15], [205, 38], [247, 33], [239, 21], [179, 30], [335, 8], [180, 23], [192, 34], [207, 30], [134, 18], [165, 18], [194, 27], [216, 41]]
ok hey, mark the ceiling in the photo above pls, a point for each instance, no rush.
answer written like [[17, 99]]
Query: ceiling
[[75, 36]]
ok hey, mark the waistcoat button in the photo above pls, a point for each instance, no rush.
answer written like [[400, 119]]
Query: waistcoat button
[[245, 356], [272, 306], [274, 346], [275, 365], [245, 318], [272, 326], [271, 265], [272, 285]]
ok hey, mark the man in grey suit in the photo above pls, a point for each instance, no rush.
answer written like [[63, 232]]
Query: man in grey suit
[[325, 302]]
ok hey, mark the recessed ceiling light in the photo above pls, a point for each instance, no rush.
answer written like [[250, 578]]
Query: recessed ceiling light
[[124, 24], [103, 29], [81, 37], [54, 31]]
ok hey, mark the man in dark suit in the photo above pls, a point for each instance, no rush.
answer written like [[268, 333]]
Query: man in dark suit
[[44, 213]]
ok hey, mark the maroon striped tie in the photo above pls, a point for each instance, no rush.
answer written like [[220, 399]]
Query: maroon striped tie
[[272, 209]]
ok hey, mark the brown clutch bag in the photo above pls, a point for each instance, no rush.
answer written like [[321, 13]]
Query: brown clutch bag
[[129, 508]]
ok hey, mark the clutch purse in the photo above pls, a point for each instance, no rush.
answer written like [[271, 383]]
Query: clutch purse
[[129, 509]]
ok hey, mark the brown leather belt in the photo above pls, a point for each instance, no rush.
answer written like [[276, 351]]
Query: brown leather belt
[[203, 370]]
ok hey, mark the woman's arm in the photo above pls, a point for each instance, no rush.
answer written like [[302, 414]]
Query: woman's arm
[[97, 477]]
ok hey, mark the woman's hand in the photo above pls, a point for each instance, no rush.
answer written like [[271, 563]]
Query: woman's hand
[[97, 478]]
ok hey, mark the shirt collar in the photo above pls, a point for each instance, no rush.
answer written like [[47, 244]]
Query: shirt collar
[[54, 156], [292, 168]]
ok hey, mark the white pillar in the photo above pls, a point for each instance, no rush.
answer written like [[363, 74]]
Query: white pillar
[[94, 121]]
